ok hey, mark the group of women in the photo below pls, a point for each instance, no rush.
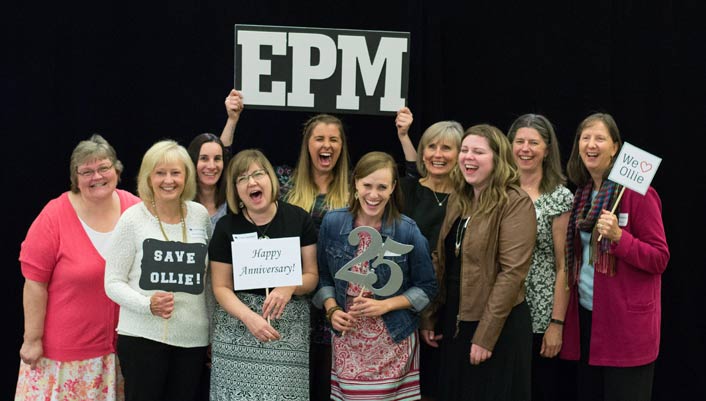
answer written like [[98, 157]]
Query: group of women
[[470, 274]]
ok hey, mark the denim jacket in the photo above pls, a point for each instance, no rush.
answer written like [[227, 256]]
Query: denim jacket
[[418, 283]]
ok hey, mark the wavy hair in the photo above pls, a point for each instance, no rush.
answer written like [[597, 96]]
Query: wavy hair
[[503, 175]]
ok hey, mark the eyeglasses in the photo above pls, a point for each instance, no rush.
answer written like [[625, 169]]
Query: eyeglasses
[[256, 175], [89, 173]]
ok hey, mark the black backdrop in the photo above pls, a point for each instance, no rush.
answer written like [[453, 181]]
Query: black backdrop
[[138, 72]]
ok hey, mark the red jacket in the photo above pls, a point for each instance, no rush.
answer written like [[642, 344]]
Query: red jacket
[[627, 306]]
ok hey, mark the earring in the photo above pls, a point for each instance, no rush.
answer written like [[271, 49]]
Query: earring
[[240, 205], [355, 195]]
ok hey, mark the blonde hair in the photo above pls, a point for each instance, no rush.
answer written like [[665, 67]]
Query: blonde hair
[[238, 166], [445, 131], [304, 191], [165, 151], [504, 173]]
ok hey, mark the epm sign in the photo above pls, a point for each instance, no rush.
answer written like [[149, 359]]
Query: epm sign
[[323, 70]]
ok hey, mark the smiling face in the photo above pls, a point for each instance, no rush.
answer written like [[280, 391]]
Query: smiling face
[[374, 191], [440, 157], [529, 149], [476, 161], [101, 183], [167, 181], [597, 148], [209, 166], [254, 188], [324, 147]]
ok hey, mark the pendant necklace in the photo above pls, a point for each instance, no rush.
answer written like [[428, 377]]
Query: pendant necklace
[[181, 219], [263, 234], [440, 202], [460, 230]]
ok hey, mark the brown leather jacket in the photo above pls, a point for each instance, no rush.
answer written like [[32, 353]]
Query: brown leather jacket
[[496, 255]]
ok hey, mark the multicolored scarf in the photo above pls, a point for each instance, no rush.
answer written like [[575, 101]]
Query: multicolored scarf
[[584, 215]]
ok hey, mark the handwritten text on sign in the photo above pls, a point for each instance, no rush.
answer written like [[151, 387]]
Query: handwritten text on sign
[[326, 70], [634, 168], [266, 263]]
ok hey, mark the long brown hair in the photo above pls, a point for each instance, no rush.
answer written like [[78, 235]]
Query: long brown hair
[[368, 164]]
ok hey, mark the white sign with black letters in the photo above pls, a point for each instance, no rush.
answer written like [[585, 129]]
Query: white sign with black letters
[[324, 70], [266, 263]]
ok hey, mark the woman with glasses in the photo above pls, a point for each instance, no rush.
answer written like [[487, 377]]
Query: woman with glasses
[[155, 270], [317, 184], [69, 337], [260, 348]]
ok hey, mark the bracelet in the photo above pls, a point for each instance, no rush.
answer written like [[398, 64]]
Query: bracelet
[[331, 311], [556, 321]]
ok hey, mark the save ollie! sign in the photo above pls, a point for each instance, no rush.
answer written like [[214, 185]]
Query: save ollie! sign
[[173, 266], [266, 263], [324, 70]]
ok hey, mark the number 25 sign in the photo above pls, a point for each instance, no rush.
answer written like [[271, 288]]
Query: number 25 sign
[[376, 250]]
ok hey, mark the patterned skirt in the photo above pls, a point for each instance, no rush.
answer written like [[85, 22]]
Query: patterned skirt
[[91, 379], [245, 369], [369, 366]]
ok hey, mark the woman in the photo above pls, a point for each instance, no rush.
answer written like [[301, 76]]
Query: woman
[[377, 357], [482, 259], [318, 184], [536, 151], [260, 347], [70, 323], [425, 201], [155, 271], [209, 157], [613, 319]]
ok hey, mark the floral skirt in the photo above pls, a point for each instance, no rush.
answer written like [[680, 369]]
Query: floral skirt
[[368, 365], [96, 379]]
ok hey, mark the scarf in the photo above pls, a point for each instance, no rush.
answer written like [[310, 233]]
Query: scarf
[[583, 218]]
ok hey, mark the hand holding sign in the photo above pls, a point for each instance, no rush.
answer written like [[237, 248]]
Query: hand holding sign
[[276, 300], [633, 169], [162, 304]]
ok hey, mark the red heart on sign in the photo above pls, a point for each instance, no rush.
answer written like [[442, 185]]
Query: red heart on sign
[[645, 167]]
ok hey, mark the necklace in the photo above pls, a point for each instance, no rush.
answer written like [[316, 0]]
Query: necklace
[[181, 218], [263, 234], [440, 202], [460, 230]]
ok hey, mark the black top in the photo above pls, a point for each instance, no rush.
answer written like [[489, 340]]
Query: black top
[[422, 205], [289, 221]]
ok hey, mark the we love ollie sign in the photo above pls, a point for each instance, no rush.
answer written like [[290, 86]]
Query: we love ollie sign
[[634, 168], [323, 70]]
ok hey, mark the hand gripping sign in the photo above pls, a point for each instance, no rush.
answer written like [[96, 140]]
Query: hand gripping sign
[[634, 169], [376, 250]]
